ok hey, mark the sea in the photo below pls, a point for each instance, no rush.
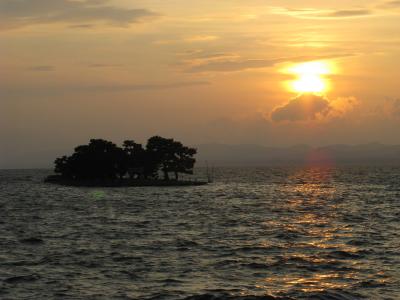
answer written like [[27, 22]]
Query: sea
[[299, 232]]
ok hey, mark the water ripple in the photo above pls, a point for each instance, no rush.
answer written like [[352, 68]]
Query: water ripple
[[256, 233]]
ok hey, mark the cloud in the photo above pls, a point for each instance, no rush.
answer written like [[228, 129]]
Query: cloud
[[201, 38], [358, 12], [187, 39], [235, 63], [212, 56], [7, 91], [202, 57], [82, 26], [41, 68], [320, 14], [232, 65], [341, 106], [390, 4], [346, 13], [141, 87], [104, 65], [302, 108], [391, 108], [312, 107], [19, 13]]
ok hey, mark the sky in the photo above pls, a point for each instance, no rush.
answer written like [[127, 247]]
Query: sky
[[229, 72]]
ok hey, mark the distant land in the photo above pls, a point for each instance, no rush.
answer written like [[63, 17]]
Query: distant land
[[245, 155], [253, 155]]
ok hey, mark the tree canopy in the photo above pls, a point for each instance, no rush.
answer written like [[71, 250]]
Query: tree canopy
[[102, 159]]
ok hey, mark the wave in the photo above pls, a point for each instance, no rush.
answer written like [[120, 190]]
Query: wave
[[224, 296]]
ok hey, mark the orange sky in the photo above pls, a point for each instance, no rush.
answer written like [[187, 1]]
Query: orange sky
[[206, 72]]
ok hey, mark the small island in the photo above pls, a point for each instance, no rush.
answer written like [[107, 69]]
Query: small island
[[102, 163]]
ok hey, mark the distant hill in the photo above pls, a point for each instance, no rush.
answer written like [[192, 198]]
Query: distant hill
[[374, 153], [245, 155]]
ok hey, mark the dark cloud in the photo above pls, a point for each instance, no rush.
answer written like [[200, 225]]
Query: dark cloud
[[391, 4], [203, 55], [234, 65], [41, 68], [17, 13], [104, 65], [313, 13], [214, 55], [84, 26], [311, 107], [348, 13], [302, 108]]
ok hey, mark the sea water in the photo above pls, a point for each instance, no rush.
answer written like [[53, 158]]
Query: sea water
[[298, 232]]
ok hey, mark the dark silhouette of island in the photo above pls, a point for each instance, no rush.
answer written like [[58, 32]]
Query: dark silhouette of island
[[103, 163]]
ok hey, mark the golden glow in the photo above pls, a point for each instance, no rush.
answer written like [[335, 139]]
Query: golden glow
[[309, 83], [310, 77]]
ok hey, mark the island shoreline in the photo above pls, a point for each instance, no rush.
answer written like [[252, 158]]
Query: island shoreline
[[124, 182]]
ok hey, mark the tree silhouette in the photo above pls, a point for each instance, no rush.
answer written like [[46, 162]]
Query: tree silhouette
[[135, 158], [104, 160], [100, 159], [171, 156], [184, 161]]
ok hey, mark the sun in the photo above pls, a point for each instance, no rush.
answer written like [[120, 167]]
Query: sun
[[310, 77], [309, 84]]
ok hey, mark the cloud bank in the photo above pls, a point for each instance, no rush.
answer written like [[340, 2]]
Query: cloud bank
[[348, 13], [313, 13], [41, 68], [312, 107], [390, 4], [19, 13], [391, 108], [231, 63]]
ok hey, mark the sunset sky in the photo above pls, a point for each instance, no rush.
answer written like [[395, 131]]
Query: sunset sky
[[235, 72]]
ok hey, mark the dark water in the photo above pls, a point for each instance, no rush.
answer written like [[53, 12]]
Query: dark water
[[290, 232]]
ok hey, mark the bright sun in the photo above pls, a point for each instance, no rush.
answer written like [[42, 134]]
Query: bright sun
[[310, 77]]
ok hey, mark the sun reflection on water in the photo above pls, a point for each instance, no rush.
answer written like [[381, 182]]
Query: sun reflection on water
[[309, 221]]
